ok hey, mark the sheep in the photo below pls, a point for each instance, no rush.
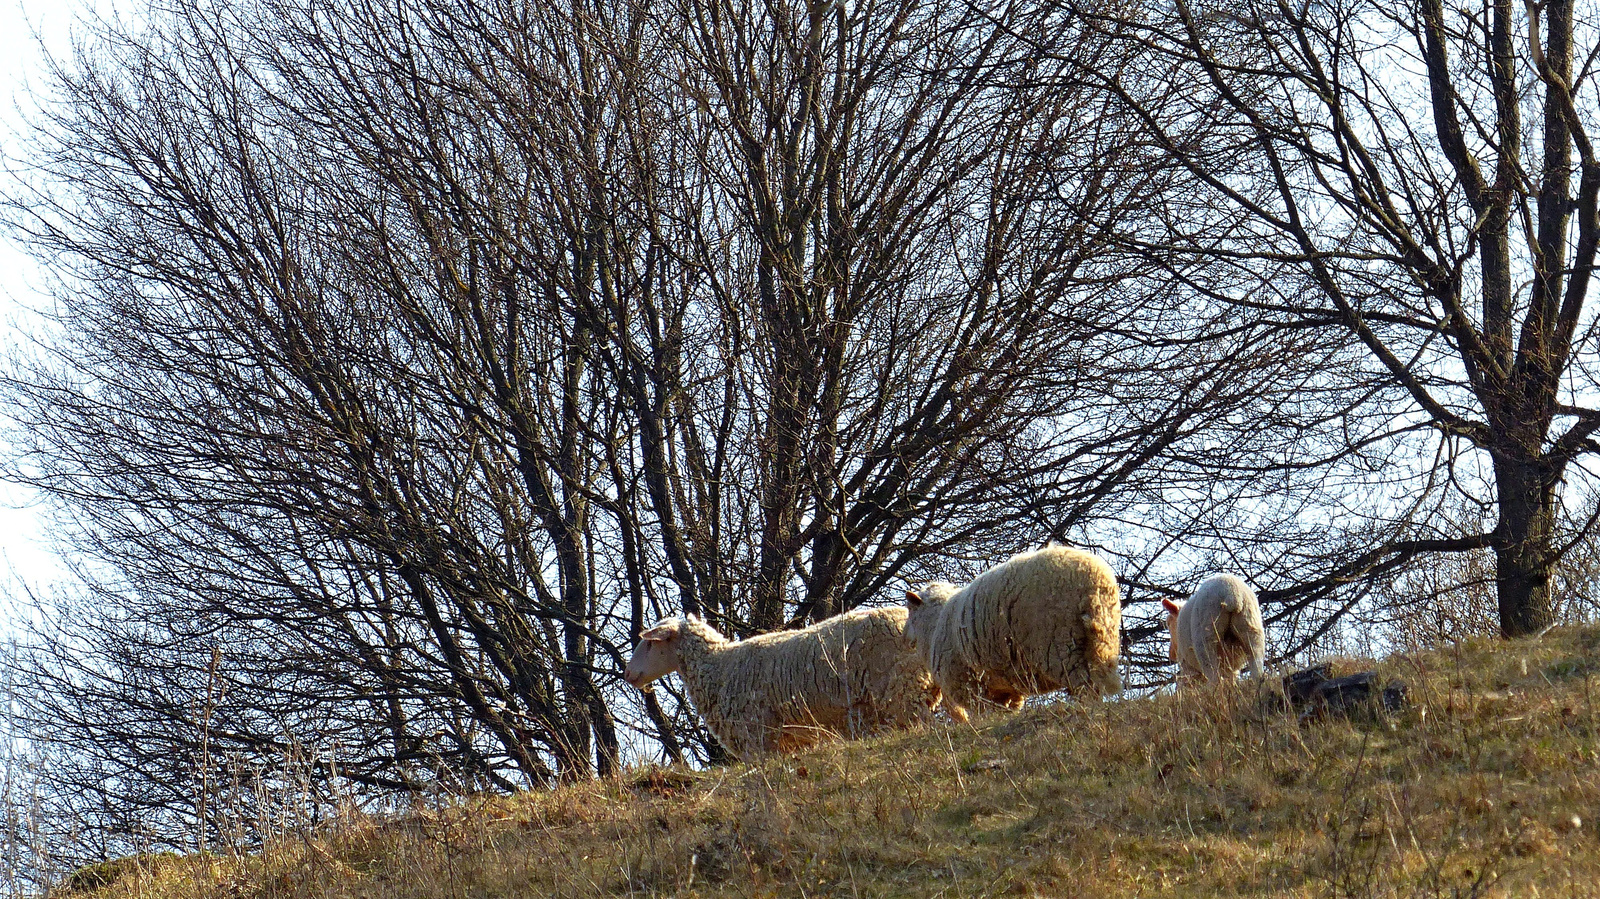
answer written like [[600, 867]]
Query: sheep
[[1217, 631], [1042, 621], [849, 675]]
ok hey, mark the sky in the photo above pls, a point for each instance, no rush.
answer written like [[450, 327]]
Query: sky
[[25, 553]]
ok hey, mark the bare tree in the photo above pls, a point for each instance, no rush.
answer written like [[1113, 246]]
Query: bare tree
[[327, 414], [414, 356], [1419, 181]]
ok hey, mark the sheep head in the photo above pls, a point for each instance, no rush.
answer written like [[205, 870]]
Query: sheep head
[[923, 606], [656, 654], [1173, 608]]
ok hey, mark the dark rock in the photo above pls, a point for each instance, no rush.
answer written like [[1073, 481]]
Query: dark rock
[[1341, 695], [1396, 696], [1314, 693], [1300, 686]]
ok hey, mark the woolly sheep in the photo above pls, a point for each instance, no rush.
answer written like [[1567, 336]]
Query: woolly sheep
[[1042, 621], [849, 675], [1217, 632]]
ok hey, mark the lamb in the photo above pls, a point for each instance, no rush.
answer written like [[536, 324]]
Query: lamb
[[1042, 621], [850, 675], [1217, 631]]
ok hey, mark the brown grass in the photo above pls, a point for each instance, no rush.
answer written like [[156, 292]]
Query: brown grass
[[1490, 786]]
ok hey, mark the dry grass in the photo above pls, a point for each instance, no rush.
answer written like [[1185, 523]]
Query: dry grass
[[1474, 792]]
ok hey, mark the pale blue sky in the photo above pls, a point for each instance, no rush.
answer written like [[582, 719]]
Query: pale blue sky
[[24, 552]]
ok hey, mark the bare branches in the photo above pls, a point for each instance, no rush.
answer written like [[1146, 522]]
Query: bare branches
[[419, 356], [1311, 140]]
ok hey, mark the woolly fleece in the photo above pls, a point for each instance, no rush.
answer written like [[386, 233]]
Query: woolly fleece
[[1217, 632], [847, 676], [1044, 620]]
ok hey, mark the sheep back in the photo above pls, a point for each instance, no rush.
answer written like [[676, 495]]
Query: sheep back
[[1044, 620], [1219, 631], [850, 676]]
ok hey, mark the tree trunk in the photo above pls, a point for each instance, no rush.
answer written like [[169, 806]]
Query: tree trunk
[[1524, 559]]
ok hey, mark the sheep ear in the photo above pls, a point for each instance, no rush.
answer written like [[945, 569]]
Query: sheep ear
[[913, 601], [659, 632], [1171, 607]]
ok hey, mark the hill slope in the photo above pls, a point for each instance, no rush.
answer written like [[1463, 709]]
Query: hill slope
[[1489, 786]]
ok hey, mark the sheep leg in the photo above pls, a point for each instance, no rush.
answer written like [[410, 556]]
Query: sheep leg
[[1006, 699], [1206, 650], [1255, 643], [957, 711], [999, 691], [964, 692]]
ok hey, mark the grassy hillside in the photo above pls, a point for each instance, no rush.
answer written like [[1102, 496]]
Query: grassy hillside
[[1489, 786]]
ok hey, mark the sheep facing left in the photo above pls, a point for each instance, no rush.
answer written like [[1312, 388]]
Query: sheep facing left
[[848, 676]]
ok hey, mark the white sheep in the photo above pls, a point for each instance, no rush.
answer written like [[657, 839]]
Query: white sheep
[[1042, 621], [847, 676], [1217, 632]]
